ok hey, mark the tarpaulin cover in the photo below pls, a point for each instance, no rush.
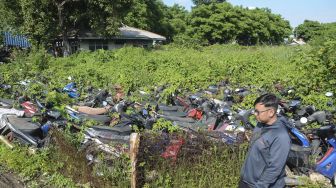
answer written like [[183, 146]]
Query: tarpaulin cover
[[16, 40]]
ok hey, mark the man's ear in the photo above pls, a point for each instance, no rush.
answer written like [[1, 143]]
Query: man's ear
[[273, 112]]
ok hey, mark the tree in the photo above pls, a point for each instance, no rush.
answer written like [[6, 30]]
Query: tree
[[44, 20], [60, 4], [154, 16], [308, 30], [106, 16], [316, 33], [224, 23], [210, 21], [11, 16], [178, 18], [206, 2], [39, 20]]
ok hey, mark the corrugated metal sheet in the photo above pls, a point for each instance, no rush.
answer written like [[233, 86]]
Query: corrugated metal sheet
[[126, 32], [16, 40], [132, 32]]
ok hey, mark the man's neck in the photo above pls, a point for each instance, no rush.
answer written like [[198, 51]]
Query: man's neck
[[272, 121]]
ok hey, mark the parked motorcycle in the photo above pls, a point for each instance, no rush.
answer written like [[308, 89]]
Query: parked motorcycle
[[71, 90], [320, 149], [6, 103], [24, 130]]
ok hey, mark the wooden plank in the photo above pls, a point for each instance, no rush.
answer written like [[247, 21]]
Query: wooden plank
[[6, 142], [134, 148]]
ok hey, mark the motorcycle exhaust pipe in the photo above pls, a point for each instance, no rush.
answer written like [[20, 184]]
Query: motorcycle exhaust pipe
[[6, 142]]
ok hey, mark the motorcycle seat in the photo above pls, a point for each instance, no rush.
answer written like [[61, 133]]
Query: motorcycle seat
[[25, 125]]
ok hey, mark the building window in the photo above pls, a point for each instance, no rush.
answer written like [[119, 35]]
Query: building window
[[74, 45], [92, 46], [59, 43], [98, 44]]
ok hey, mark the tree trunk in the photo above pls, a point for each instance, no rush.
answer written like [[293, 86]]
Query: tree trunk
[[66, 45]]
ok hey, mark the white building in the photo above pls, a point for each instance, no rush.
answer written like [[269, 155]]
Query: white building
[[87, 40]]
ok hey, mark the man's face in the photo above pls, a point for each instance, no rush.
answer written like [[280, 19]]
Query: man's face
[[263, 114]]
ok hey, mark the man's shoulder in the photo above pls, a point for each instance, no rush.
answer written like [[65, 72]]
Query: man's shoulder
[[280, 132]]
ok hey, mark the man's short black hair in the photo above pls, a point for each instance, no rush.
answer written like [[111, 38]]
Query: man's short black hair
[[268, 100]]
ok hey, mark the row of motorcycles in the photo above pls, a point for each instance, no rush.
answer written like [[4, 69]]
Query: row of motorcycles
[[313, 150]]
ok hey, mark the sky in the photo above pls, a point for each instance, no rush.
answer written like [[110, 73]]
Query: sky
[[296, 11]]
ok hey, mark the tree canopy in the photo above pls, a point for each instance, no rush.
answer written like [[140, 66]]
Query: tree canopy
[[223, 23], [210, 21], [314, 31], [43, 20], [206, 2]]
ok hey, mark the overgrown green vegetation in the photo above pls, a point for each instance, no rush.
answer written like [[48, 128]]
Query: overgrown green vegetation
[[36, 169], [308, 69], [200, 163], [62, 164]]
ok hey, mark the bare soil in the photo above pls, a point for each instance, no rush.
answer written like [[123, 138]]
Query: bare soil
[[10, 180]]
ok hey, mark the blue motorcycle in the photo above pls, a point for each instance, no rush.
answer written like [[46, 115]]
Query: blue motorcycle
[[320, 147], [71, 90]]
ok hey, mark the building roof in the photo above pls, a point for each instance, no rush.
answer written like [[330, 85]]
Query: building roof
[[126, 32], [297, 42]]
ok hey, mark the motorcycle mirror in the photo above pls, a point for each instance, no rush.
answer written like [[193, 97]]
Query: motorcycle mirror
[[303, 120], [329, 94]]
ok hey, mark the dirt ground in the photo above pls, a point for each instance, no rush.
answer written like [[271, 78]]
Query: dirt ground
[[9, 180]]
